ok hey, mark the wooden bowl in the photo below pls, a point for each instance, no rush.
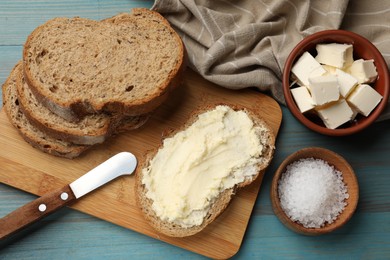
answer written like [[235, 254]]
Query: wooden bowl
[[362, 48], [349, 179]]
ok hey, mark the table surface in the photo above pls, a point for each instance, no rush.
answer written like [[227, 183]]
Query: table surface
[[71, 234]]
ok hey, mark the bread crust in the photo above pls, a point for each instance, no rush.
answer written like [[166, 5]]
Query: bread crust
[[29, 133], [223, 200], [100, 126], [77, 108]]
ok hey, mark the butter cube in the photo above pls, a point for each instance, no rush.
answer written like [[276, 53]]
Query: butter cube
[[324, 89], [363, 70], [346, 82], [335, 115], [302, 98], [355, 113], [364, 99], [305, 67], [329, 69], [335, 54]]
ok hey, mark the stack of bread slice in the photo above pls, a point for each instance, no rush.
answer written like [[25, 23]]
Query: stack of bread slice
[[82, 81]]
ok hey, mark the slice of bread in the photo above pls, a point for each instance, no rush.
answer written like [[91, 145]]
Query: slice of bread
[[127, 64], [31, 134], [92, 129], [221, 201]]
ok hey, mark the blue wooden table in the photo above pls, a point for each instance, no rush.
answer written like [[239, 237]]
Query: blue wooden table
[[69, 234]]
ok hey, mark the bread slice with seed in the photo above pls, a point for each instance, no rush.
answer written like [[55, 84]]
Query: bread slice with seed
[[92, 129], [31, 134], [124, 65], [218, 204]]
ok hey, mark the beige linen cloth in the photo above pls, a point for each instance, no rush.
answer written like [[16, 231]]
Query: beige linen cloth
[[239, 44]]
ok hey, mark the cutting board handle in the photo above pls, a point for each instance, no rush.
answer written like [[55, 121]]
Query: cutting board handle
[[35, 210]]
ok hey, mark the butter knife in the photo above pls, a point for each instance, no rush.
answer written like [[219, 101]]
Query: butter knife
[[123, 163]]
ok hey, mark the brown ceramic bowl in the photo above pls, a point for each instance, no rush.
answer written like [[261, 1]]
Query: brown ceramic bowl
[[362, 48], [349, 179]]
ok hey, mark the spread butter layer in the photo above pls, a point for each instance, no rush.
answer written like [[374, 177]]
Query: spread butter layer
[[219, 150]]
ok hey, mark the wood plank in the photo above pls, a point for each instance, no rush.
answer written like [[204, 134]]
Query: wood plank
[[19, 18], [116, 203]]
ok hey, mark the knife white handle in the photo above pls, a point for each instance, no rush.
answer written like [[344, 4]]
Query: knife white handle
[[35, 210]]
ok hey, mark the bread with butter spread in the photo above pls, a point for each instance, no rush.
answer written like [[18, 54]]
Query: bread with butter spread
[[188, 181]]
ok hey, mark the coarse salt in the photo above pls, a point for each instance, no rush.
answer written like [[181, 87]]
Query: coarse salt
[[312, 192]]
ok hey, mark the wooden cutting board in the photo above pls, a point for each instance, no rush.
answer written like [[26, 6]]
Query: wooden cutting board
[[30, 170]]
